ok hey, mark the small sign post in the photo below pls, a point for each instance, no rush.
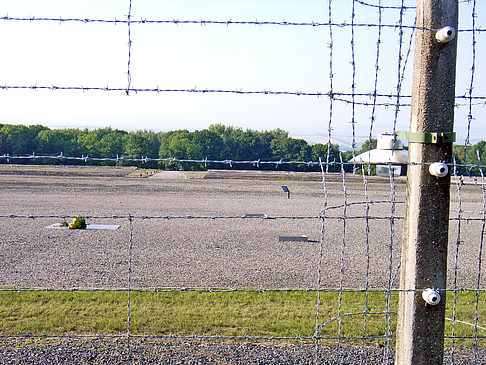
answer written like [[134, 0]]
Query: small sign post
[[286, 190]]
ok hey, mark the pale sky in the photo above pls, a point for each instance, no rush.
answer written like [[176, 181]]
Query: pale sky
[[216, 57]]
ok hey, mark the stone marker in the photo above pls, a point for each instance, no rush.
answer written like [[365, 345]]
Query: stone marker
[[293, 238]]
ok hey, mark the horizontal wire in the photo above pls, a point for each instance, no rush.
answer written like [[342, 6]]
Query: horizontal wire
[[337, 96], [227, 22], [467, 323], [238, 290], [222, 217], [384, 7], [228, 162], [337, 318], [203, 337], [195, 217], [158, 90], [215, 337], [197, 22], [170, 160], [169, 217]]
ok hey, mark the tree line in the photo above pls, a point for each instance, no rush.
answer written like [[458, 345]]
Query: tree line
[[217, 142]]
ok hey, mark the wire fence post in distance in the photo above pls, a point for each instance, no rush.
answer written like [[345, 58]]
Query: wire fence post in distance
[[420, 330]]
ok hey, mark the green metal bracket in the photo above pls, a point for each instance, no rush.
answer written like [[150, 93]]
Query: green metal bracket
[[431, 137]]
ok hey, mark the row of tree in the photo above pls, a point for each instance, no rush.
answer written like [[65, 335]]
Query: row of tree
[[218, 142]]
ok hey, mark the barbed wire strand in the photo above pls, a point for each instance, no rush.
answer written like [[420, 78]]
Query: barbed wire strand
[[480, 256], [473, 68], [389, 7], [399, 104], [129, 26], [353, 86], [341, 269], [193, 336], [331, 85], [129, 284], [319, 260], [390, 263], [203, 337], [399, 67], [231, 217], [471, 86], [130, 224], [214, 337], [235, 217], [121, 159], [375, 86], [230, 290], [367, 260], [456, 258], [228, 22], [212, 217], [331, 95]]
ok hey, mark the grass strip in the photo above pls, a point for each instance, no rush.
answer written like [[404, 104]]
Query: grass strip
[[272, 314]]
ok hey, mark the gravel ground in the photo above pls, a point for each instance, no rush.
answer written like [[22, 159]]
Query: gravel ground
[[209, 252], [204, 252], [98, 351]]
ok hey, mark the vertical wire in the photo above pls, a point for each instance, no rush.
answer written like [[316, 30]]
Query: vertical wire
[[331, 76], [407, 56], [471, 86], [353, 85], [341, 270], [456, 255], [393, 203], [400, 77], [399, 68], [367, 244], [322, 215], [130, 246], [480, 255], [129, 22], [375, 88], [390, 267]]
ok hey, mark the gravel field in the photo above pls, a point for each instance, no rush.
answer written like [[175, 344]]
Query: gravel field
[[225, 252], [205, 252]]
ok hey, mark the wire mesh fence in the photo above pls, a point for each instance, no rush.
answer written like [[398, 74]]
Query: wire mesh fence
[[205, 250]]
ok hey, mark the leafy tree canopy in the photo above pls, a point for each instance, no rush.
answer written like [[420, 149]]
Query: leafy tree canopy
[[217, 142]]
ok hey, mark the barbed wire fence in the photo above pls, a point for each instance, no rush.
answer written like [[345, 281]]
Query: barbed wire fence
[[372, 100]]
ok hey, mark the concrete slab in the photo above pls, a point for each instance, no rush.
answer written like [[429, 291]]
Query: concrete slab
[[89, 227], [293, 238], [169, 175], [255, 215]]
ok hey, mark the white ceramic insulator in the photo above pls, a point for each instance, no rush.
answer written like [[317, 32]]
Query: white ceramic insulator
[[445, 34], [438, 169], [431, 296]]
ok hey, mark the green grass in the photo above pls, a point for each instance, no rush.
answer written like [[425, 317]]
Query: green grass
[[279, 314]]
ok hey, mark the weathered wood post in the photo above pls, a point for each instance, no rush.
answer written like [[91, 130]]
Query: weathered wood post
[[420, 331]]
